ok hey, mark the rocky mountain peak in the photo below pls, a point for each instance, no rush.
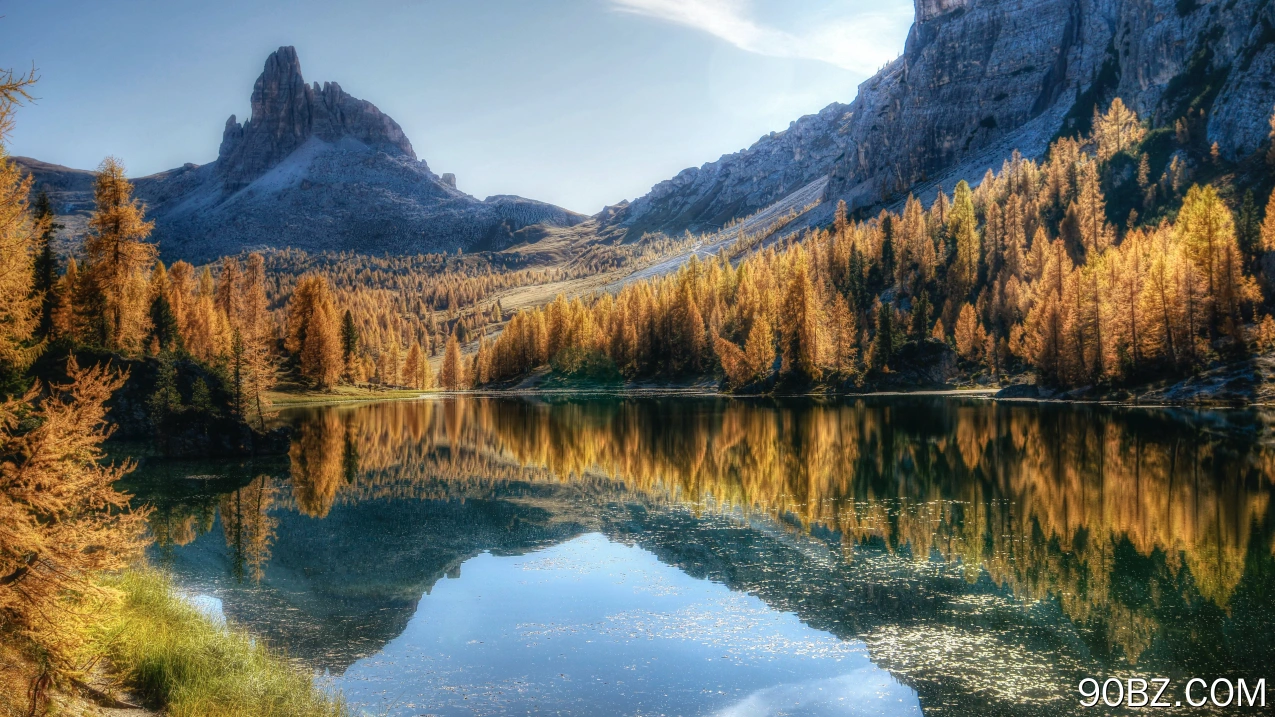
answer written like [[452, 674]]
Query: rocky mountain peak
[[287, 112], [977, 81], [929, 9]]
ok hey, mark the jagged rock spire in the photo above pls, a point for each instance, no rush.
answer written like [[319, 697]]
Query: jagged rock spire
[[286, 112]]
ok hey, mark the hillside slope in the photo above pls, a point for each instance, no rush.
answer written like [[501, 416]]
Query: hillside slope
[[979, 79]]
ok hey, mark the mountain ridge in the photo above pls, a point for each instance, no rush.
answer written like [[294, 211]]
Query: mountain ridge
[[312, 168], [979, 79]]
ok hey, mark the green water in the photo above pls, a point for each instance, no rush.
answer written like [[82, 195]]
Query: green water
[[685, 556]]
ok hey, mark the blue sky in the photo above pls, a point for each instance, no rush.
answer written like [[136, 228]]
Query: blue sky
[[577, 102]]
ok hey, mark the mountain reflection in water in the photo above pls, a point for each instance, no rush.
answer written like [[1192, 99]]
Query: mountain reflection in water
[[987, 555]]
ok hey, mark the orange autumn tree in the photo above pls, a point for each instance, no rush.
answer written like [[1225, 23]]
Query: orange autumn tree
[[118, 257], [61, 518], [1027, 270], [18, 307], [453, 373], [314, 332]]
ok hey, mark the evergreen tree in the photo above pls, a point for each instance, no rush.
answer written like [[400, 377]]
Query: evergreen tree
[[46, 263], [165, 399], [349, 337], [962, 232], [921, 316], [882, 349], [1248, 230], [163, 322]]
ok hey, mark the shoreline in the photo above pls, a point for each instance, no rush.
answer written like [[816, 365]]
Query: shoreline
[[291, 401]]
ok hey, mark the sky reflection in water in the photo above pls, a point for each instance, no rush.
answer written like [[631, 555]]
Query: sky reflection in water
[[595, 627], [703, 556]]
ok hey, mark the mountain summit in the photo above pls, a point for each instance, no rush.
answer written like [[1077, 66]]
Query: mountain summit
[[286, 112], [979, 79], [312, 168]]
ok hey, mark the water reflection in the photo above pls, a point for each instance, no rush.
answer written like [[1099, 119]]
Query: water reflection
[[987, 554]]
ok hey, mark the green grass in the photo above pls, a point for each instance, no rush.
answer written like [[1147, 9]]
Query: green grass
[[340, 394], [177, 659]]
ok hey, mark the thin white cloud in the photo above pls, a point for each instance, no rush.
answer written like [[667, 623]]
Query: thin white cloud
[[858, 41]]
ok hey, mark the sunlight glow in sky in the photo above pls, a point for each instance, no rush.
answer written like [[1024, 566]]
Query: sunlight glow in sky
[[577, 102]]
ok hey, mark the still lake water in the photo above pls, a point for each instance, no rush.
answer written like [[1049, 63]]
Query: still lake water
[[701, 556]]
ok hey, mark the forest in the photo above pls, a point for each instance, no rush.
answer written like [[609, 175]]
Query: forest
[[75, 592], [1126, 255], [1024, 272]]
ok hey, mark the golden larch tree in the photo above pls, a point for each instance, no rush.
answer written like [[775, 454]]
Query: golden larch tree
[[19, 309], [61, 518], [452, 376], [117, 255]]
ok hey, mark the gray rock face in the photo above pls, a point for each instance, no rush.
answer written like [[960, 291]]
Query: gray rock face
[[739, 184], [312, 168], [981, 78], [286, 112]]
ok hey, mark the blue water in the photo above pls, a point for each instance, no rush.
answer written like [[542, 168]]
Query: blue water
[[594, 627], [678, 556]]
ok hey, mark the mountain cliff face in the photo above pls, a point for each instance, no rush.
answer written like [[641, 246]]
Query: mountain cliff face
[[286, 112], [312, 168], [981, 78]]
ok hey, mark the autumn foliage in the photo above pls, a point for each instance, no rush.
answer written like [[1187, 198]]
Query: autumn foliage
[[1027, 269], [61, 519]]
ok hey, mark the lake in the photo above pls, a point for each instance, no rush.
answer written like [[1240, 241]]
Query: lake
[[709, 556]]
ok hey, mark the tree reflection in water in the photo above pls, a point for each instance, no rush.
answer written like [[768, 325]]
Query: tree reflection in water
[[978, 547]]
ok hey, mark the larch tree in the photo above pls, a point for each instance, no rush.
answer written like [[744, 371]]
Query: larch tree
[[63, 519], [66, 320], [1089, 210], [1268, 225], [1270, 152], [802, 335], [734, 363], [181, 282], [426, 376], [759, 351], [1207, 231], [412, 367], [969, 334], [1116, 131], [452, 376], [258, 336], [229, 295], [19, 309], [962, 231], [321, 353], [845, 336], [117, 255], [314, 332], [207, 335]]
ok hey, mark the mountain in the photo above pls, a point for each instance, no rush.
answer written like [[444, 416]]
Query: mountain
[[317, 169], [312, 168], [979, 79]]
